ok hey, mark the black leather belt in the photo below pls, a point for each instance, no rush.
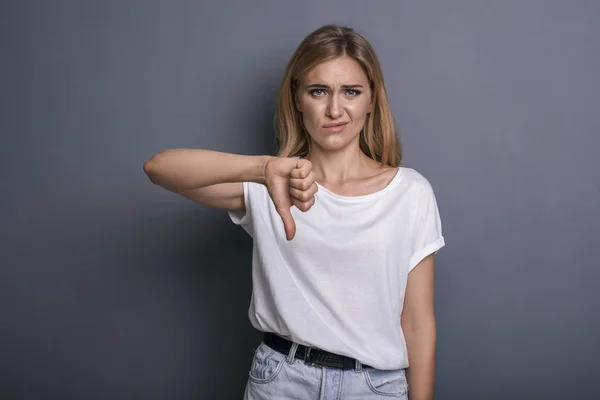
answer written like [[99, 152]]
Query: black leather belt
[[310, 355]]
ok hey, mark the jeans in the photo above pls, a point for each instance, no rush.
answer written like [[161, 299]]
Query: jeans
[[277, 376]]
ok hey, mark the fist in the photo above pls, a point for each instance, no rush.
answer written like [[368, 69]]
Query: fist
[[290, 182]]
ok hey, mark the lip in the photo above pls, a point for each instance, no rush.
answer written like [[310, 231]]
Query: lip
[[336, 127]]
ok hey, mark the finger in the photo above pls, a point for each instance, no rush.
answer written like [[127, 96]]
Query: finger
[[288, 222], [302, 184], [303, 168], [304, 164], [303, 205], [303, 195], [298, 173]]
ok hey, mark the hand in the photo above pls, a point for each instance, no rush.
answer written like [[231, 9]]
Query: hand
[[290, 181]]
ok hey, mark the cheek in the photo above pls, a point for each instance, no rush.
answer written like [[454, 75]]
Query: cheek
[[310, 122], [358, 109], [311, 113]]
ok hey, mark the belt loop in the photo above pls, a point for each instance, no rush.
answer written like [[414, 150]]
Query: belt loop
[[292, 354], [358, 366]]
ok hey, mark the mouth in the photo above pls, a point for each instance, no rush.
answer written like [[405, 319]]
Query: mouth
[[335, 127]]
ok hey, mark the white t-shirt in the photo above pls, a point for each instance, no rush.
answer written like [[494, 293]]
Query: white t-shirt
[[339, 285]]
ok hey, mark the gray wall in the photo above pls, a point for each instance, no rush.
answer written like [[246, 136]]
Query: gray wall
[[112, 288]]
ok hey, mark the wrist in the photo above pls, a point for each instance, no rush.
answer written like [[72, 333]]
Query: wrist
[[261, 169]]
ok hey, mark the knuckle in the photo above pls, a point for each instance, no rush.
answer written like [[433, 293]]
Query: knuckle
[[301, 205]]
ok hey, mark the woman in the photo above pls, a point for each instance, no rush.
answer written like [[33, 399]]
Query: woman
[[344, 237]]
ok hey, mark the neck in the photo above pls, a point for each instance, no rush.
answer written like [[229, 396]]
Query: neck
[[339, 166]]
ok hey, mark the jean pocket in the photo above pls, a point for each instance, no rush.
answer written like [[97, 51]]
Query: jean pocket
[[266, 364], [390, 383]]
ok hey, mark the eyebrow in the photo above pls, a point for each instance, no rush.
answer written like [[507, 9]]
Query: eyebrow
[[323, 86]]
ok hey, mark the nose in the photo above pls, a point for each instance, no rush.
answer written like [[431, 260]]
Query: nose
[[334, 110]]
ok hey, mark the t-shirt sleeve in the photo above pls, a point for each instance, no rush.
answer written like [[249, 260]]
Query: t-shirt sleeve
[[427, 237], [244, 219]]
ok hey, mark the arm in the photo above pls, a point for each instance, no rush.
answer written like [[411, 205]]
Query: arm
[[418, 325], [207, 177]]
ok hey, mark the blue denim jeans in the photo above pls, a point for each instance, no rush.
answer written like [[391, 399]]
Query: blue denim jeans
[[277, 376]]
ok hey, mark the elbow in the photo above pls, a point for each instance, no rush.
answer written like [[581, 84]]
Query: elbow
[[152, 168], [424, 323], [149, 170], [156, 168], [423, 334]]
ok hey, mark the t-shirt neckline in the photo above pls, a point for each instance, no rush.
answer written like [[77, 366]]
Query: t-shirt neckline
[[388, 187]]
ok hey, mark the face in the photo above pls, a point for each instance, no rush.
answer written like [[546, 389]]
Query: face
[[334, 99]]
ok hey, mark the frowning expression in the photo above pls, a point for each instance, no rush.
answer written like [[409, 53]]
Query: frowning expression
[[334, 98]]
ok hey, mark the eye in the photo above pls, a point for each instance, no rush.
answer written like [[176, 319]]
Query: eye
[[317, 92], [352, 92]]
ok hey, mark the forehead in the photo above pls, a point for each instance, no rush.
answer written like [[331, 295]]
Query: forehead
[[341, 71]]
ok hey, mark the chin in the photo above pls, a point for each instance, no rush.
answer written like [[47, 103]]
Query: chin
[[334, 142]]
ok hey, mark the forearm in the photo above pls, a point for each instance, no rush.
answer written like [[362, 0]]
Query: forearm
[[421, 342], [183, 169]]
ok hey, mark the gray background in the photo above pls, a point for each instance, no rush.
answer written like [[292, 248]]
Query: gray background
[[113, 288]]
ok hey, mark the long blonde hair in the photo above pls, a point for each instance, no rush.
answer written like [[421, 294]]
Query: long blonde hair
[[378, 138]]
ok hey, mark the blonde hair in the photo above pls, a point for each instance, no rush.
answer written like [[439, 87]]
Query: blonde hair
[[378, 138]]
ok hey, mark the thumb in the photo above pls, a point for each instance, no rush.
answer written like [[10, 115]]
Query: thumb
[[288, 222]]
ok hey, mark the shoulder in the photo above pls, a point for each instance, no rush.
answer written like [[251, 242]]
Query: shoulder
[[414, 180]]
